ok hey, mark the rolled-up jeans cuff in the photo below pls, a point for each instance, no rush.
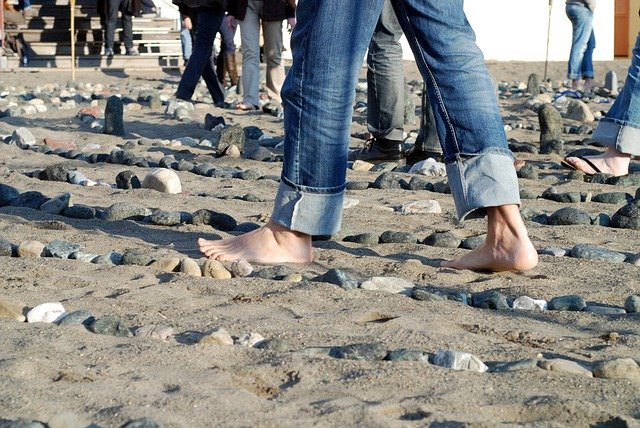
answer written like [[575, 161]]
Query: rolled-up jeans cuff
[[621, 137], [481, 181], [306, 211]]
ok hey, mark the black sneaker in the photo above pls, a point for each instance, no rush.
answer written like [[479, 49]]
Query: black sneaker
[[379, 150], [414, 155]]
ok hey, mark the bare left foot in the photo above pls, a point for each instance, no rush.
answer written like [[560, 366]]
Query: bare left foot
[[507, 247]]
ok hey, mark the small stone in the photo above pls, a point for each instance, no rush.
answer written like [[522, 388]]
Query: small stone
[[218, 336], [591, 252], [166, 218], [274, 272], [442, 240], [360, 351], [154, 332], [83, 256], [276, 345], [11, 309], [533, 84], [79, 211], [241, 268], [136, 257], [422, 207], [421, 293], [30, 199], [567, 303], [22, 138], [357, 185], [611, 83], [249, 339], [30, 249], [76, 177], [215, 269], [45, 312], [113, 116], [515, 366], [163, 180], [127, 180], [125, 211], [363, 238], [112, 258], [79, 317], [458, 360], [632, 304], [190, 267], [621, 368], [141, 423], [578, 110], [612, 198], [387, 180], [231, 135], [526, 303], [551, 146], [604, 310], [627, 217], [564, 366], [569, 216], [489, 299], [211, 121], [550, 123], [166, 264], [388, 284], [110, 325], [528, 171], [338, 277], [407, 355], [393, 237], [7, 194], [6, 248], [360, 165], [61, 249], [21, 423], [553, 251], [55, 173], [429, 168], [220, 221]]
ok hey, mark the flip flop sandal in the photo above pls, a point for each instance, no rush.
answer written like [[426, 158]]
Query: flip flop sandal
[[246, 107], [569, 165]]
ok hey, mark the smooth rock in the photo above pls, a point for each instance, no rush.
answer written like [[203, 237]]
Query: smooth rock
[[388, 284], [567, 303], [240, 268], [7, 194], [621, 368], [627, 217], [126, 211], [30, 249], [128, 180], [514, 366], [249, 339], [31, 199], [489, 299], [163, 180], [407, 355], [632, 304], [526, 303], [422, 207], [76, 177], [569, 216], [421, 293], [154, 332], [110, 325], [473, 242], [360, 351], [218, 336], [61, 249], [6, 248], [190, 267], [136, 257], [553, 251], [394, 237], [550, 123], [59, 172], [578, 110], [612, 198], [564, 366], [604, 310], [215, 269], [166, 218], [442, 240], [166, 264], [363, 238], [458, 360], [591, 252], [113, 116], [45, 312], [22, 138], [78, 317], [80, 212], [276, 345], [338, 277]]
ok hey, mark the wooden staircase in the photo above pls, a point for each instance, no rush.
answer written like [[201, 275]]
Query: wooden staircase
[[47, 32]]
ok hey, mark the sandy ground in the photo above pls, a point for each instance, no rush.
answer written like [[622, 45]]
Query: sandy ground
[[47, 370]]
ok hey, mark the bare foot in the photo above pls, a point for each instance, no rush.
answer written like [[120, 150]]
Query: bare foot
[[271, 244], [612, 162], [507, 247]]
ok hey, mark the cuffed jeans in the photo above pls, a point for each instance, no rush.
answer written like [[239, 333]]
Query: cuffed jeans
[[620, 128], [328, 48], [273, 46], [206, 22], [583, 42], [113, 6], [227, 34]]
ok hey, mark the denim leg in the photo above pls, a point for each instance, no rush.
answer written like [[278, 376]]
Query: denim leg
[[427, 139], [620, 128], [586, 68], [110, 25], [250, 37], [479, 163], [582, 22], [228, 45], [127, 30], [317, 95], [206, 23], [185, 42], [385, 78], [273, 46]]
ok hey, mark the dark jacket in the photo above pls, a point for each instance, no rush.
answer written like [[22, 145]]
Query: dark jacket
[[272, 10], [220, 5]]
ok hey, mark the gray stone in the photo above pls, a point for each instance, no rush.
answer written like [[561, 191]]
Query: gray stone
[[578, 110], [363, 238], [136, 257], [211, 121], [113, 116], [611, 82], [567, 303], [83, 256], [473, 242], [78, 317], [253, 132], [357, 185], [231, 135], [591, 252], [6, 248], [387, 180], [550, 123], [551, 146], [489, 299], [421, 293], [388, 284], [515, 366], [21, 423], [420, 183], [109, 259], [30, 249], [110, 325], [624, 180], [215, 219], [276, 345], [604, 310], [393, 237], [360, 351], [533, 84], [184, 165], [141, 423], [166, 161], [205, 169], [443, 240], [7, 194], [442, 187], [564, 366], [568, 197], [528, 171], [612, 198], [407, 355], [61, 249], [57, 205], [128, 180], [338, 277], [632, 304], [569, 216], [55, 173], [76, 177], [274, 272], [458, 360], [22, 138], [125, 211], [553, 251], [79, 211], [31, 199], [627, 217], [621, 368], [601, 219], [166, 218], [240, 268]]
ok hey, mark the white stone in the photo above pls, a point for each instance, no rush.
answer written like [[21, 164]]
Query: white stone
[[190, 267], [57, 205], [154, 332], [250, 339], [219, 336], [430, 168], [163, 180], [578, 110], [526, 303], [422, 207], [76, 177], [564, 366], [240, 268], [46, 312], [388, 284], [459, 360], [215, 269], [233, 152], [188, 141], [349, 203], [360, 165], [22, 137]]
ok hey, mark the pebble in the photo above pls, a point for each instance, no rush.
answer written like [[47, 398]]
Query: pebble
[[407, 355], [76, 177], [473, 242], [387, 180], [421, 207], [621, 368], [360, 165], [394, 237], [127, 180], [125, 211], [489, 299], [420, 293], [240, 268], [110, 258], [154, 332], [163, 180], [360, 351], [578, 110], [22, 423], [190, 267], [215, 269], [612, 198], [113, 116], [338, 277], [553, 251], [526, 303], [166, 264], [627, 217], [220, 221], [564, 366], [363, 238], [22, 138], [166, 218], [218, 336], [61, 249], [55, 173], [45, 312], [141, 423], [357, 185], [249, 339], [6, 248], [632, 304], [429, 168], [80, 212], [7, 194], [30, 249], [442, 240], [232, 135], [135, 257], [514, 366], [458, 360], [604, 310], [276, 345], [78, 317], [567, 303], [388, 284], [30, 199], [274, 272], [110, 325], [550, 123], [591, 252], [11, 309], [569, 216]]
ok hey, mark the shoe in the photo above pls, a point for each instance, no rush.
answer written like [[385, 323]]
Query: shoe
[[379, 150], [415, 155], [133, 52], [108, 52]]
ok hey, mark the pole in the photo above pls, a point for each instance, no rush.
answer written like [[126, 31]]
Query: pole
[[546, 57], [72, 3]]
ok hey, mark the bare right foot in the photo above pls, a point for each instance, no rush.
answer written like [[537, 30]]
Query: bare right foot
[[271, 244], [612, 162]]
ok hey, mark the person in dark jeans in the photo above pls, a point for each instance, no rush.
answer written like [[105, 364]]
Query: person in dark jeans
[[126, 7], [385, 107], [206, 21]]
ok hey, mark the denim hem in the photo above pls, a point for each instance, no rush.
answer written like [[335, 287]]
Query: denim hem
[[308, 212], [484, 180], [619, 136]]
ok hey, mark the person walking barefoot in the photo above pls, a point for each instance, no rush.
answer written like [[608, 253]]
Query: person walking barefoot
[[328, 49]]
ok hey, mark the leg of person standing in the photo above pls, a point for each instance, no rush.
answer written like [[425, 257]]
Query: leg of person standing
[[273, 47], [427, 143], [112, 8], [317, 94], [127, 30], [250, 39], [582, 40]]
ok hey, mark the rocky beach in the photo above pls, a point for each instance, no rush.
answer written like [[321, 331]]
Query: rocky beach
[[110, 316]]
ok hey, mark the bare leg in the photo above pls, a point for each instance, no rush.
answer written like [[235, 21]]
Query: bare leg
[[506, 248], [270, 244], [612, 161]]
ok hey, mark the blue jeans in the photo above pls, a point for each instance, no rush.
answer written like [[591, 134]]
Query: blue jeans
[[206, 22], [620, 128], [583, 42], [328, 48], [228, 34], [186, 42]]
